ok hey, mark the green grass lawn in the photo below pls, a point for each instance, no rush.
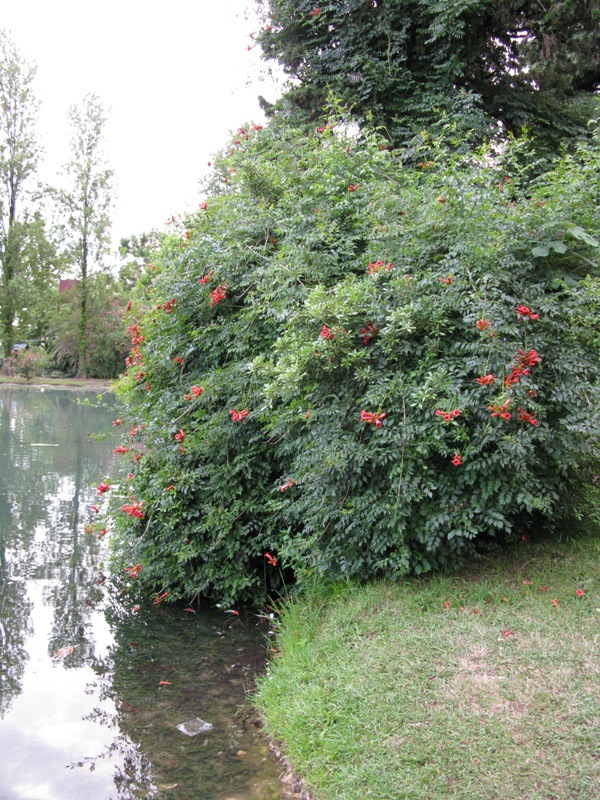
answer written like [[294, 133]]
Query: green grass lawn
[[481, 685]]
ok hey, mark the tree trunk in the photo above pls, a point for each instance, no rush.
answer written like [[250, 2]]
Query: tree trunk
[[82, 343]]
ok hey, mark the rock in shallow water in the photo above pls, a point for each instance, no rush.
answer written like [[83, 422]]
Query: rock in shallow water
[[194, 726]]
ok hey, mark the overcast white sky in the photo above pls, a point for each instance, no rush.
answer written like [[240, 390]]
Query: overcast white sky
[[177, 76]]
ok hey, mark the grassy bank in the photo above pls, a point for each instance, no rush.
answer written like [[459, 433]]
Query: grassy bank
[[59, 383], [483, 685]]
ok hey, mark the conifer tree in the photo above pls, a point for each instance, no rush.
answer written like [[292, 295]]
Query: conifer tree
[[492, 65]]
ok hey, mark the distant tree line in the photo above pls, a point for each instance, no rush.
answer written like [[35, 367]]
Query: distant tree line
[[49, 232]]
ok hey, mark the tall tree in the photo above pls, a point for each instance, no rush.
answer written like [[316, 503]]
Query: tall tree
[[87, 204], [521, 63], [36, 284], [19, 153]]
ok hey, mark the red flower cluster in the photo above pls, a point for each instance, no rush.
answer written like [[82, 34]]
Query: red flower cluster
[[287, 485], [523, 312], [218, 294], [482, 324], [447, 280], [102, 487], [134, 358], [180, 437], [499, 410], [121, 449], [272, 562], [524, 416], [178, 360], [525, 361], [368, 333], [447, 416], [486, 380], [314, 12], [238, 416], [133, 510], [136, 337], [206, 278], [372, 418], [326, 333], [457, 460], [353, 187], [168, 306], [134, 571], [203, 205], [116, 422], [196, 391], [514, 376], [529, 359], [378, 266]]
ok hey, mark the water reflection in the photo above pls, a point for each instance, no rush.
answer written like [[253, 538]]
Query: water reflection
[[91, 692]]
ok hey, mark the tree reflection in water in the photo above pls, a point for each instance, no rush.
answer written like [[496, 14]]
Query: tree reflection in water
[[80, 672]]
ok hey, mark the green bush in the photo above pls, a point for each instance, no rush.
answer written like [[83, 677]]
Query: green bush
[[30, 362], [350, 304]]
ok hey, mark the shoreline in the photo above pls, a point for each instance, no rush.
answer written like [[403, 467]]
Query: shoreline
[[100, 384]]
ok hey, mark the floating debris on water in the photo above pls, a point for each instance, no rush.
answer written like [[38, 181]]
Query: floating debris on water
[[194, 726]]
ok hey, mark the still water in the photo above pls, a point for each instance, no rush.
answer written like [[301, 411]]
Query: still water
[[92, 692]]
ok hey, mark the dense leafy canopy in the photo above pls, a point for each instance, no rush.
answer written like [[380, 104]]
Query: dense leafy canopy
[[358, 365], [411, 62]]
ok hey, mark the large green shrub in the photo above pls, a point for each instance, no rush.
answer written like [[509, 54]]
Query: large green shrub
[[350, 304]]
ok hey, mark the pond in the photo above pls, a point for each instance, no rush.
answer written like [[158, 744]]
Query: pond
[[91, 691]]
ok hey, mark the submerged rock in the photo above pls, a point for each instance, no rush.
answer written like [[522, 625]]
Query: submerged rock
[[194, 726]]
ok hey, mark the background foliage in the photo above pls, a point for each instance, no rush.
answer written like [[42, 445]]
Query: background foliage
[[348, 302]]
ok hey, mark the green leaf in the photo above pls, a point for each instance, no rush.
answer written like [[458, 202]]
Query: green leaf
[[579, 233], [558, 246], [540, 251]]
